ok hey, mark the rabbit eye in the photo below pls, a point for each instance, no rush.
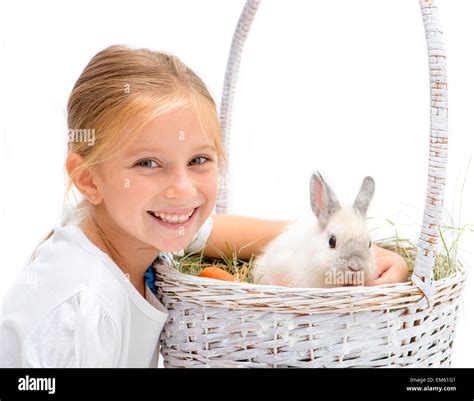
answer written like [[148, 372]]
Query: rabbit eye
[[332, 241], [370, 244]]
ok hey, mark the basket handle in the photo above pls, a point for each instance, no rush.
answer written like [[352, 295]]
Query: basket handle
[[438, 145], [438, 152], [232, 70]]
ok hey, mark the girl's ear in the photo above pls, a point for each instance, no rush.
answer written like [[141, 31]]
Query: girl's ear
[[82, 177], [323, 200]]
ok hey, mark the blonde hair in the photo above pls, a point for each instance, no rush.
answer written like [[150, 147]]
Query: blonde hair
[[120, 90]]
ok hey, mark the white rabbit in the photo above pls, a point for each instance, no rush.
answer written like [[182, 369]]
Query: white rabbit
[[331, 250]]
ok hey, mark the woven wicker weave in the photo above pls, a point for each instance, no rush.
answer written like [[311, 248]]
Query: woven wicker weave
[[220, 324]]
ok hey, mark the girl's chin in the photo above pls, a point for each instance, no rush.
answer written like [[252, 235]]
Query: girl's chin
[[172, 245], [175, 241]]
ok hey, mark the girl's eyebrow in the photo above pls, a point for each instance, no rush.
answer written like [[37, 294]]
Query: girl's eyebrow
[[157, 150], [206, 147]]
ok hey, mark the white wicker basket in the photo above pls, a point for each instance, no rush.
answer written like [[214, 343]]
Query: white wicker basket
[[214, 323]]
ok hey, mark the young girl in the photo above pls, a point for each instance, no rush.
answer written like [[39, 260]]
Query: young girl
[[148, 180]]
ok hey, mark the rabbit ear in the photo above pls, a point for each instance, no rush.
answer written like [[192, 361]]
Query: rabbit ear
[[323, 201], [366, 192]]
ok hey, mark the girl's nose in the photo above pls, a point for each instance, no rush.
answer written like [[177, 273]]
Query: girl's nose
[[179, 185]]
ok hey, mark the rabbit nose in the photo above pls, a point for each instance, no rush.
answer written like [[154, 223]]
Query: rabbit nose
[[354, 269]]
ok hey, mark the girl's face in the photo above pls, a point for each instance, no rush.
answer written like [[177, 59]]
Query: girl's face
[[163, 186]]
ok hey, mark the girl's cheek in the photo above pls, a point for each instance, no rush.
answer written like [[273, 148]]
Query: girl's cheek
[[211, 183], [125, 194], [139, 189]]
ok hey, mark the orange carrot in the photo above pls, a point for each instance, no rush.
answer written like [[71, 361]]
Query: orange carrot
[[217, 273]]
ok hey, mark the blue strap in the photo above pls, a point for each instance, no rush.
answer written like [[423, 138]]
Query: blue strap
[[150, 279], [163, 258]]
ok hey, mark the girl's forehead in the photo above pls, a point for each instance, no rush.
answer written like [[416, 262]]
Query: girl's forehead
[[171, 135], [173, 121], [175, 129], [165, 133], [179, 122]]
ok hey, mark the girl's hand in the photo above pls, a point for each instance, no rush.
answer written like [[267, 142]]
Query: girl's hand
[[390, 267]]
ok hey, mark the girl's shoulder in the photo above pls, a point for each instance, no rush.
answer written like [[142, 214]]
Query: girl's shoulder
[[69, 256], [66, 264]]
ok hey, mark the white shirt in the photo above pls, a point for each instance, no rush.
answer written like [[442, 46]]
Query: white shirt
[[72, 306]]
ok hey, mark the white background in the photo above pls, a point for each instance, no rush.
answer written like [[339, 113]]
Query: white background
[[341, 87]]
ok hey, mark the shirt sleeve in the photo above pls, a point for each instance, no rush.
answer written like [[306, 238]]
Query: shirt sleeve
[[201, 237], [78, 333]]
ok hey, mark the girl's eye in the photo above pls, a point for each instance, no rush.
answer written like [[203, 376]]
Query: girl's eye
[[370, 244], [204, 159], [146, 163]]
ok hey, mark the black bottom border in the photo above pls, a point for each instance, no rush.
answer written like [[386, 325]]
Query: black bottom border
[[237, 384]]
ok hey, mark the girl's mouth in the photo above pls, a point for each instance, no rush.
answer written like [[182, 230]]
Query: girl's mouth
[[174, 221]]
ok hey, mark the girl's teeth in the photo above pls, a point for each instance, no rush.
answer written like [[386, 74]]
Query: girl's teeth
[[173, 218]]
